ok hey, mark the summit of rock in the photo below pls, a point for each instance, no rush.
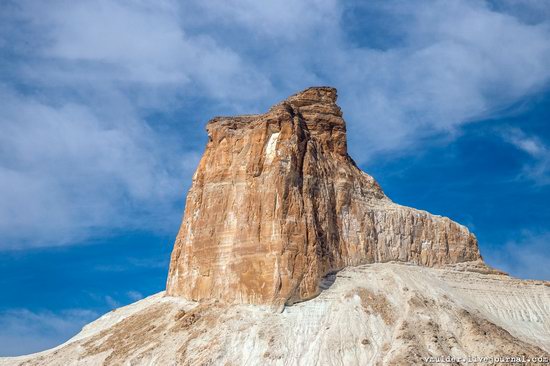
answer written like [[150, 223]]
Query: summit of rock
[[314, 96], [276, 203]]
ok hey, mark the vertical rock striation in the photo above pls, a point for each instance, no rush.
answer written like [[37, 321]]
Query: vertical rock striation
[[276, 203]]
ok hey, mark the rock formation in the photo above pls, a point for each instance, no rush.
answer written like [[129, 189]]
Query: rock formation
[[277, 203], [275, 207]]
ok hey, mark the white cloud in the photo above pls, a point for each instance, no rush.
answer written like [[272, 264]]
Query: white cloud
[[538, 168], [66, 173], [139, 43], [451, 70], [531, 145], [525, 258], [132, 263], [112, 302], [23, 331], [287, 19], [134, 295]]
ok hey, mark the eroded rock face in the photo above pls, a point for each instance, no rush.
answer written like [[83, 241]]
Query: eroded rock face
[[276, 203]]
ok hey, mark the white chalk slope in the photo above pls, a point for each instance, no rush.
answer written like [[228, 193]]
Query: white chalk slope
[[388, 314]]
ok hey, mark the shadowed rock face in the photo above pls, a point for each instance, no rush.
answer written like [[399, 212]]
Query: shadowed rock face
[[276, 203]]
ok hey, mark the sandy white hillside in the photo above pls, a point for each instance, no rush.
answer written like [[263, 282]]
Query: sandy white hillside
[[379, 314]]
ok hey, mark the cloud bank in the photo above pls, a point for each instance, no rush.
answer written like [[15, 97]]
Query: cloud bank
[[81, 153]]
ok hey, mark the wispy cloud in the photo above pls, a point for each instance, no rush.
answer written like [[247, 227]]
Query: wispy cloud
[[450, 69], [537, 169], [526, 257], [80, 154], [112, 302], [134, 295], [67, 171], [23, 331], [132, 263]]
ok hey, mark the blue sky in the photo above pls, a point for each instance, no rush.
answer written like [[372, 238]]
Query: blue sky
[[103, 106]]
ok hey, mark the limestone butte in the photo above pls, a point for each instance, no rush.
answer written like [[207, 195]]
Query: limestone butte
[[277, 203]]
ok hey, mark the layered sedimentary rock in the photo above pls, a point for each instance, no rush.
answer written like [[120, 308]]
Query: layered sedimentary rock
[[276, 203]]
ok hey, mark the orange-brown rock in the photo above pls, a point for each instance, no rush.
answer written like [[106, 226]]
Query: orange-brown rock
[[277, 203]]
